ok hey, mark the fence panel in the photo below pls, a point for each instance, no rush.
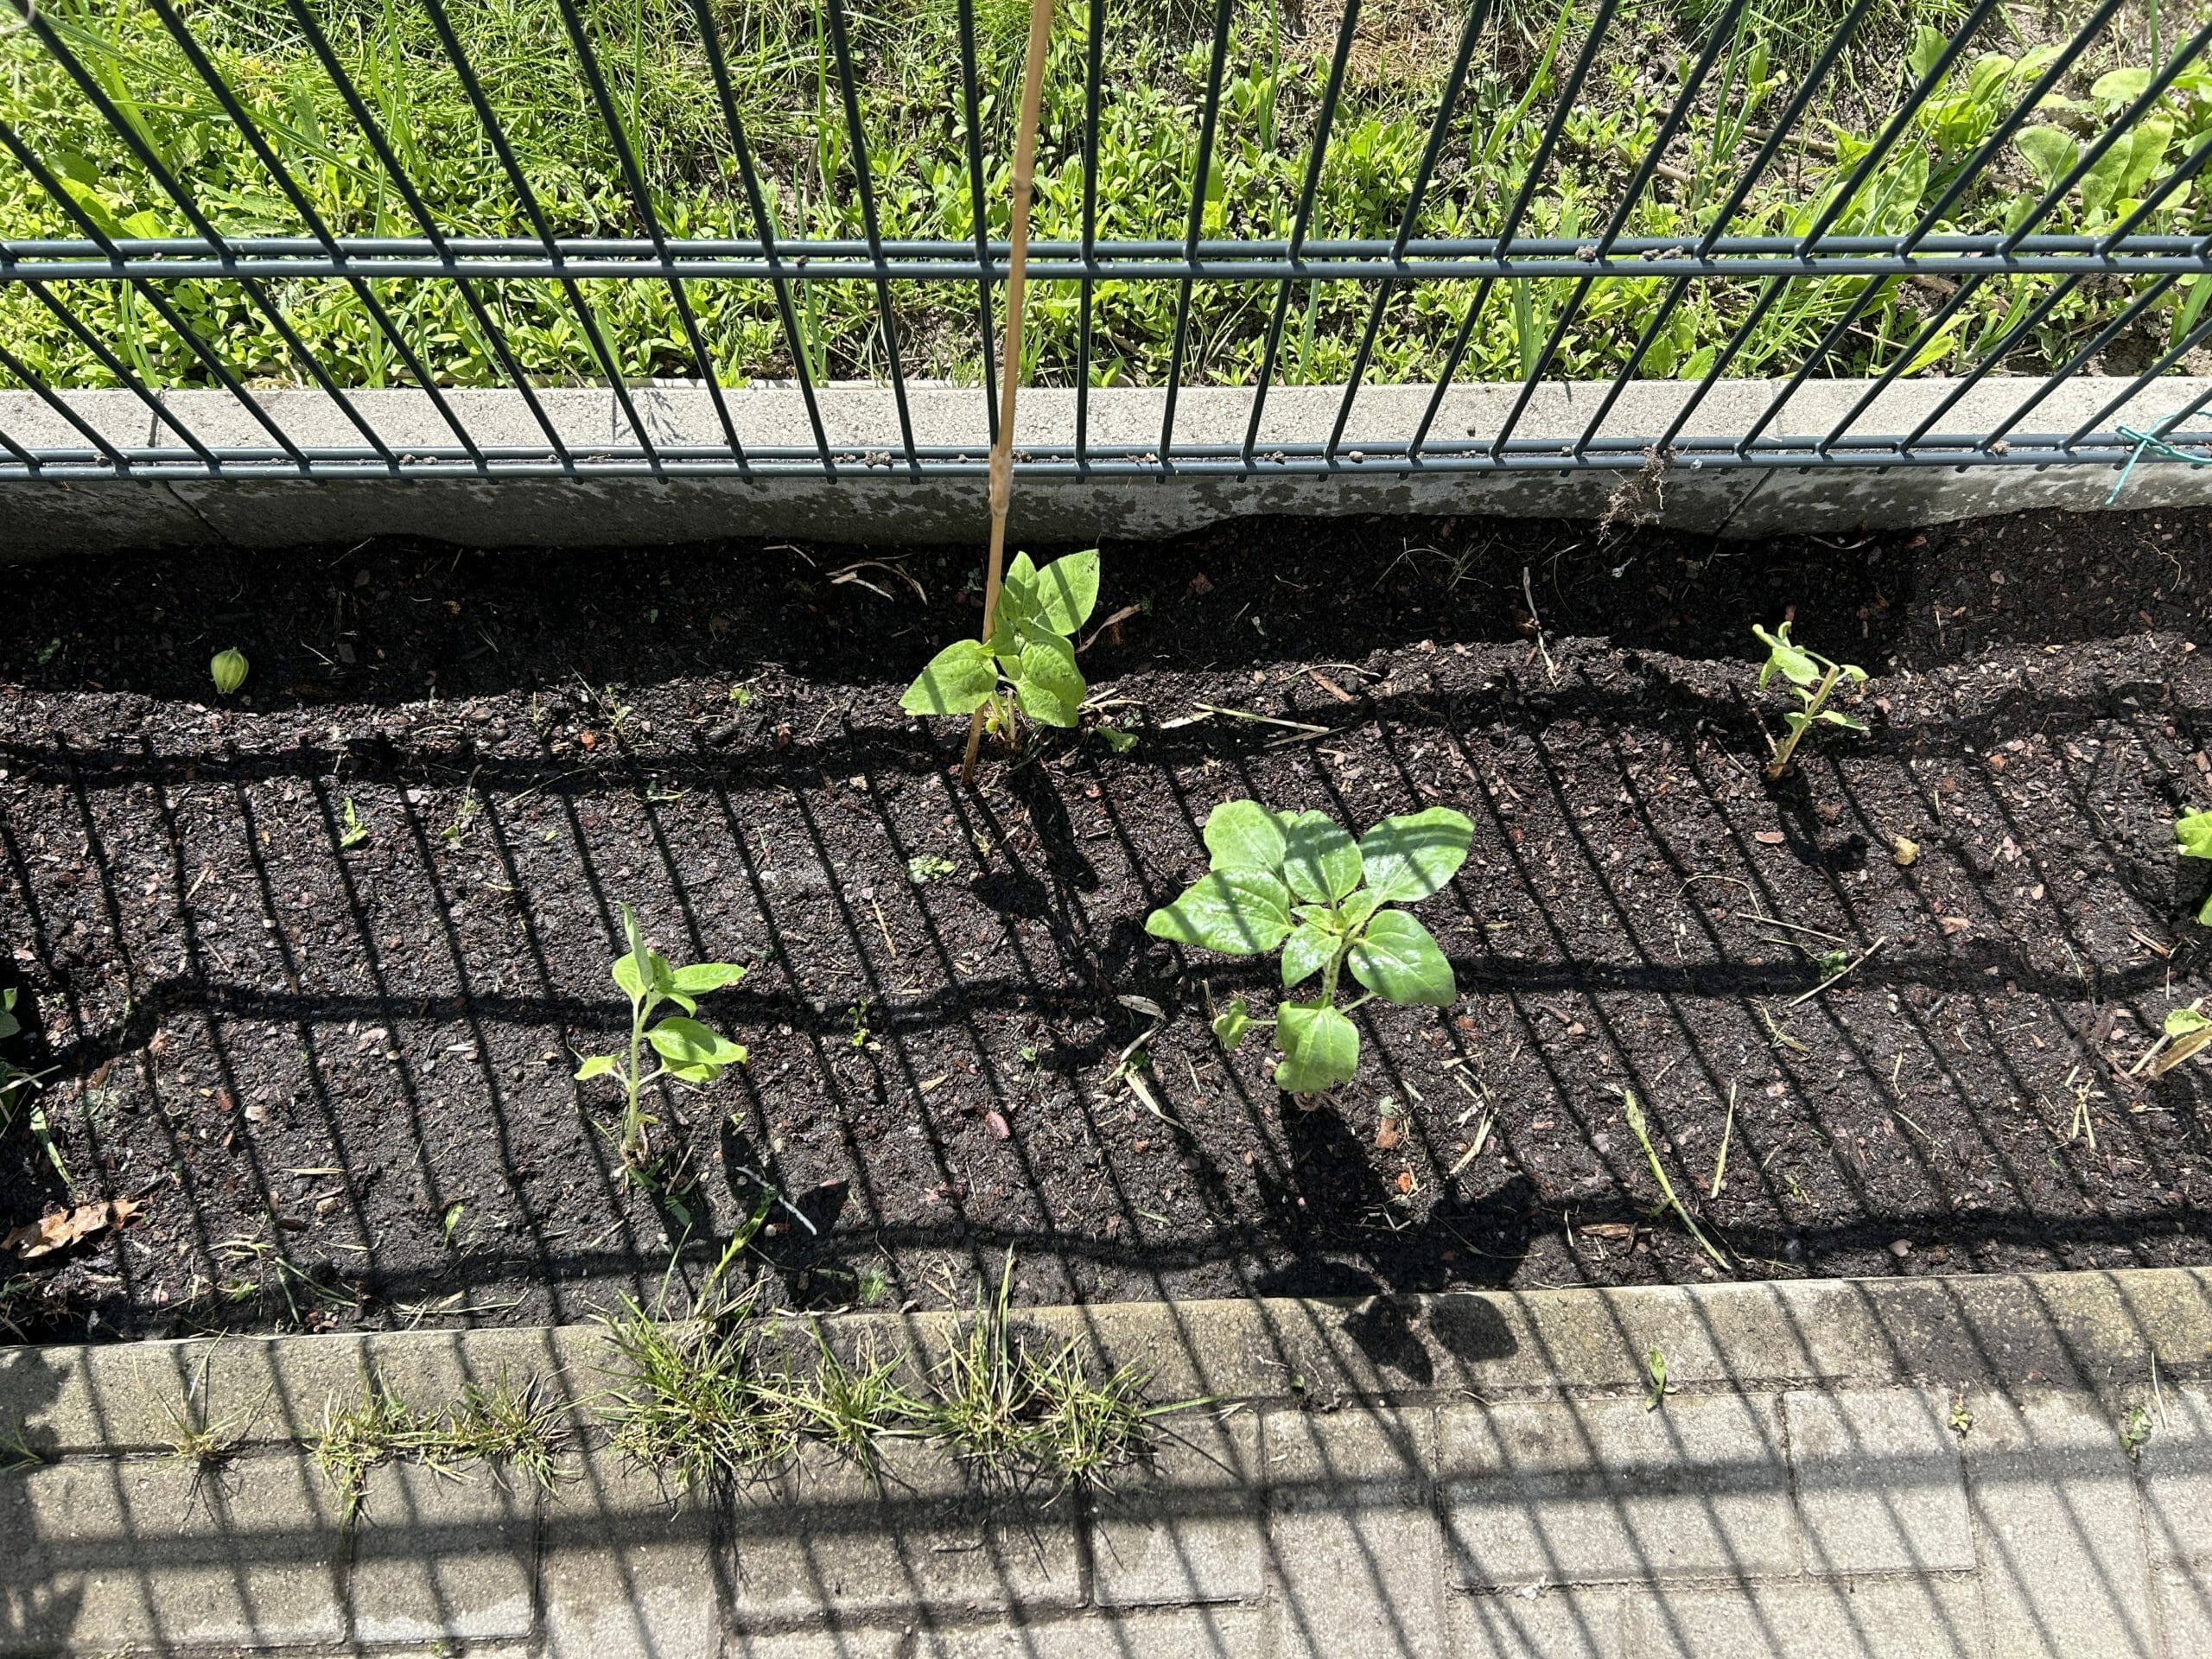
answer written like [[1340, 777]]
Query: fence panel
[[1395, 236]]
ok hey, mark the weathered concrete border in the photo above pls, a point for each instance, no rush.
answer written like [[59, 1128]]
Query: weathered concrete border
[[2094, 1330], [875, 502], [1901, 1468]]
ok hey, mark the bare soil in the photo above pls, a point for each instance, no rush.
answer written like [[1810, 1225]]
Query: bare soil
[[335, 1068]]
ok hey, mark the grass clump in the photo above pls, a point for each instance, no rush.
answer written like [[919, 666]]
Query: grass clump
[[1014, 1414], [696, 1399], [496, 1422]]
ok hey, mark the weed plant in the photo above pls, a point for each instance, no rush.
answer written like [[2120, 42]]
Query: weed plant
[[907, 56]]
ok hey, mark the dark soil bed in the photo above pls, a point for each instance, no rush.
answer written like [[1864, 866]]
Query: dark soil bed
[[334, 1069]]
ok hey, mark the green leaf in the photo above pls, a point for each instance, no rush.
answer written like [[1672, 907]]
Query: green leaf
[[1928, 46], [2049, 152], [687, 1043], [597, 1066], [1233, 1023], [2121, 87], [2193, 835], [1785, 660], [2182, 1021], [1348, 917], [1244, 836], [1241, 912], [1120, 742], [1320, 1047], [1306, 952], [1049, 685], [1410, 857], [1320, 860], [1398, 961], [628, 976], [959, 680], [703, 976], [1067, 591]]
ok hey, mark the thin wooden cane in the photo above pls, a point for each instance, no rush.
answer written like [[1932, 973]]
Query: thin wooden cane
[[1017, 271]]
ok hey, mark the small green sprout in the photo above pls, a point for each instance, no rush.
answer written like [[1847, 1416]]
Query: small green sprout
[[356, 831], [1027, 665], [2135, 1431], [2193, 839], [925, 867], [228, 668], [687, 1050], [1814, 678], [1263, 863], [1654, 1368]]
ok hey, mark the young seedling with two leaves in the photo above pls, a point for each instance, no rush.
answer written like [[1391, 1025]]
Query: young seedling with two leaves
[[2193, 839], [1814, 679], [682, 1047], [1027, 665], [1298, 881]]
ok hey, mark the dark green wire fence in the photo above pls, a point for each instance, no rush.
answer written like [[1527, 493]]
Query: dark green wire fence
[[2043, 188]]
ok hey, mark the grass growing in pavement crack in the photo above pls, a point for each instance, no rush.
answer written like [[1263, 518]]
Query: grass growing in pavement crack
[[710, 1400], [494, 1422], [695, 1400]]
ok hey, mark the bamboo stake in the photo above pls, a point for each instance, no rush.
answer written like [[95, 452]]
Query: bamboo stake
[[1017, 271]]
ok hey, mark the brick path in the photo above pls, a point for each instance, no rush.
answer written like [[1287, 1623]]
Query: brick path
[[1962, 1488]]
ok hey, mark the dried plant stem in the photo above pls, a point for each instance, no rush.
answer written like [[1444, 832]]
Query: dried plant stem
[[1017, 272]]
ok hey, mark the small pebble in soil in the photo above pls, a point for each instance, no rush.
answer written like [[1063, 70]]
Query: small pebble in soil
[[1900, 1247]]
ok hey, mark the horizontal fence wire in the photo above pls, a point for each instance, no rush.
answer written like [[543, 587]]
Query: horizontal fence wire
[[1399, 237]]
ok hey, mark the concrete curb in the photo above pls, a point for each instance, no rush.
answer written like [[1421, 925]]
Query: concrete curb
[[873, 501], [2097, 1331], [1905, 1468]]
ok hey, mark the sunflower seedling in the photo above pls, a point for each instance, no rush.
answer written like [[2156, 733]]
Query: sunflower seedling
[[1027, 665], [228, 670], [2193, 839], [1813, 679], [1297, 880], [682, 1047]]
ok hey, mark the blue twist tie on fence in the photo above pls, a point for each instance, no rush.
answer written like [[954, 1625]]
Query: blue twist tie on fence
[[2147, 443]]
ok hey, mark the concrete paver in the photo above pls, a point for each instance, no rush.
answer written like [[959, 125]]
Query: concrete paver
[[1351, 1518], [1879, 1482], [107, 1553], [1593, 1492], [1192, 1527], [1918, 1618], [2064, 1571]]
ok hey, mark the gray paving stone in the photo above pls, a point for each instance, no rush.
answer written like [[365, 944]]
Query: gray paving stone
[[444, 1556], [1349, 1514], [880, 1643], [2175, 1470], [2063, 1567], [1879, 1482], [626, 1573], [105, 1555], [1191, 1527], [2186, 1611], [1533, 1624], [1226, 1632], [924, 1538], [1605, 1490], [1838, 1618]]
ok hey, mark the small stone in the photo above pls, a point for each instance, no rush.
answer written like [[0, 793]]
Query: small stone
[[1903, 852], [1900, 1247]]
